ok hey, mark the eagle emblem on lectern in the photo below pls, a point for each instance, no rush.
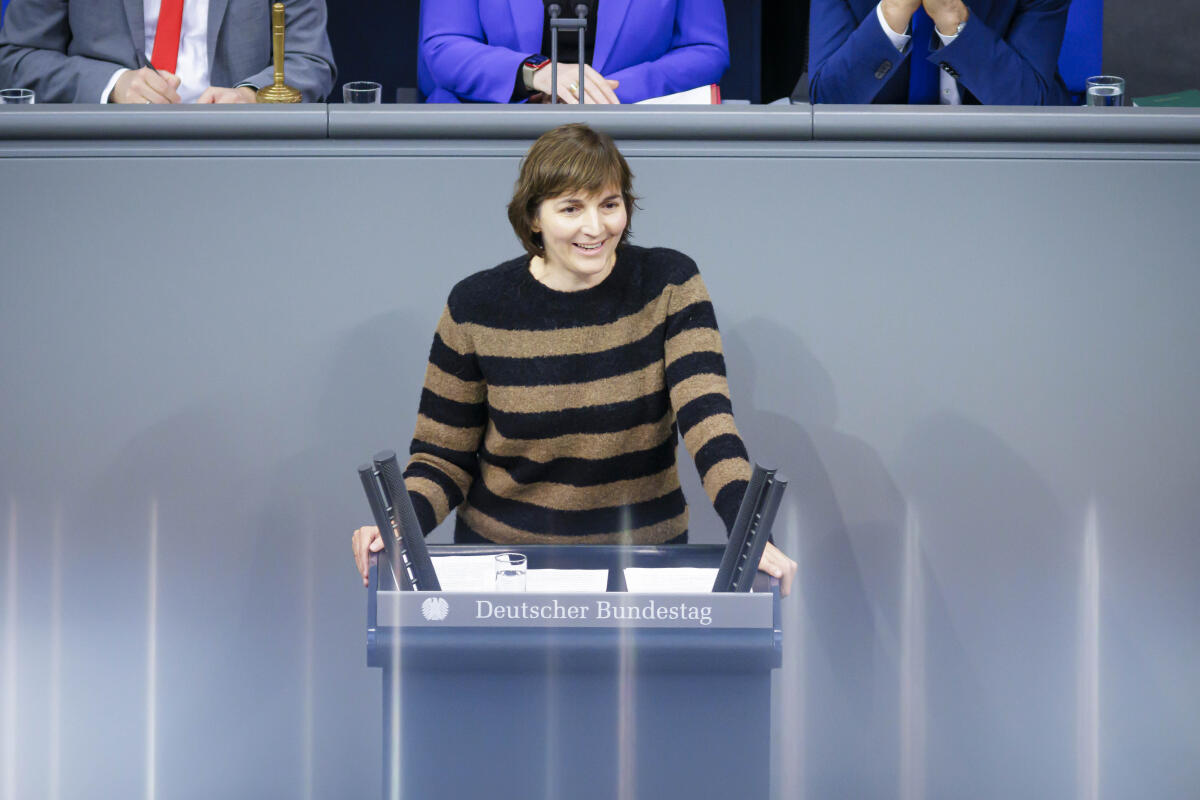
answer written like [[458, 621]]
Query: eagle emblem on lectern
[[435, 609]]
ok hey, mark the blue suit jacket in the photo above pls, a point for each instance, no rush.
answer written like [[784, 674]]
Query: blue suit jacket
[[1006, 55], [471, 49]]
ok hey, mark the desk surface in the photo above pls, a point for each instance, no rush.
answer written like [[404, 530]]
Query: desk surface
[[798, 123]]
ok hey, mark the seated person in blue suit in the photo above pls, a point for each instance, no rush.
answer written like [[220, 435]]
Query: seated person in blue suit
[[493, 51], [160, 51], [995, 52]]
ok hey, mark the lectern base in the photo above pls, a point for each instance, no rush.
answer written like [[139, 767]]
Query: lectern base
[[580, 736], [658, 708]]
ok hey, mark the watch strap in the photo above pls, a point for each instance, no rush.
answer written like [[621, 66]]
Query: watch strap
[[529, 68]]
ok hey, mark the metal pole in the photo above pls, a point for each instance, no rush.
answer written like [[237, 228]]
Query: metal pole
[[553, 10], [581, 11]]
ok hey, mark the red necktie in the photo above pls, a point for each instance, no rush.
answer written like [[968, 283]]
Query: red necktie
[[166, 35]]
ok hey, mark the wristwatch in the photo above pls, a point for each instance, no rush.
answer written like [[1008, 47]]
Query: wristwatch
[[529, 67]]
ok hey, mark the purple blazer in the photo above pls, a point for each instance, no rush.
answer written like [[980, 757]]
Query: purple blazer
[[471, 49]]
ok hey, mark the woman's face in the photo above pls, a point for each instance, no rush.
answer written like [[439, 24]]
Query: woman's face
[[580, 233]]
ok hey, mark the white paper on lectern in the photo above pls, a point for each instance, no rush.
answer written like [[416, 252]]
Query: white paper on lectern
[[478, 574], [670, 580], [465, 573], [706, 95], [567, 580]]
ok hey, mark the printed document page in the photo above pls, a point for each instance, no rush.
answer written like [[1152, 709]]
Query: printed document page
[[674, 580], [466, 573], [478, 574], [700, 96], [566, 580]]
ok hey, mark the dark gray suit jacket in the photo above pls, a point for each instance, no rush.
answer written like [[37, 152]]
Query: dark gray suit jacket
[[67, 50]]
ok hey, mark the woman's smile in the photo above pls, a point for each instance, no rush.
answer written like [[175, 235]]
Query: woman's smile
[[580, 233]]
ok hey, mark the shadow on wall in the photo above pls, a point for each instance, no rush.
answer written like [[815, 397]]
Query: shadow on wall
[[371, 386], [1001, 570], [1150, 642], [997, 611], [842, 520], [178, 695], [259, 645]]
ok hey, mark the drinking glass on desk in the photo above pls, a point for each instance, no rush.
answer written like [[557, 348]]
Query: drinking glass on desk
[[510, 572], [16, 96], [1105, 90], [362, 92]]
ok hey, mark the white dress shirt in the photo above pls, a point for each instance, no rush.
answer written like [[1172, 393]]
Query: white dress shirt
[[192, 67], [948, 94]]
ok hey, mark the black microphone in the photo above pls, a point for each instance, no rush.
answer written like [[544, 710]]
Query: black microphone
[[416, 564]]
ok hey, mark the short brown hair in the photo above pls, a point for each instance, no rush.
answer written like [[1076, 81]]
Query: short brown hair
[[569, 158]]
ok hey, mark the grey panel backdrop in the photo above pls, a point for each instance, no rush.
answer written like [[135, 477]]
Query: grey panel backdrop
[[980, 371], [1153, 45]]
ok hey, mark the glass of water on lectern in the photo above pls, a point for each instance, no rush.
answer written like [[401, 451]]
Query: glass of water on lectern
[[510, 572], [16, 96], [1105, 90]]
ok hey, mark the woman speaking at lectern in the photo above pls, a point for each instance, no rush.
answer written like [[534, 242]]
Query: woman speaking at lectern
[[559, 382]]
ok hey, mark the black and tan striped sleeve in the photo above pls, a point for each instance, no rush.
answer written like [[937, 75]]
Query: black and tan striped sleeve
[[450, 422], [695, 367]]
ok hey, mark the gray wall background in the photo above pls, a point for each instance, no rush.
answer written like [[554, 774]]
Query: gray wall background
[[1153, 45], [977, 365]]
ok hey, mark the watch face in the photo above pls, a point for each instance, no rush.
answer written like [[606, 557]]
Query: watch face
[[536, 61]]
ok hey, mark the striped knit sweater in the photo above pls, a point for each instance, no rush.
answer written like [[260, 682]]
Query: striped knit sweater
[[553, 417]]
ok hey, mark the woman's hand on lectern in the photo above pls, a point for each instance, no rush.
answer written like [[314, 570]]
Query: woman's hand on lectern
[[366, 540], [776, 564], [597, 89]]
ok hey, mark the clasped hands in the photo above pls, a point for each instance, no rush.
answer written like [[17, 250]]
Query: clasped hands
[[946, 14], [150, 85], [596, 88]]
